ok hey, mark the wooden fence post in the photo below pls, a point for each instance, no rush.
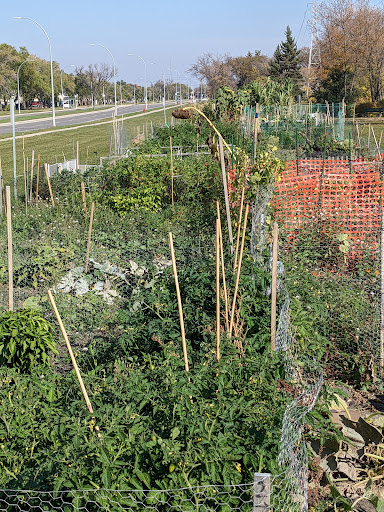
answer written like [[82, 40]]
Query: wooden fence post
[[261, 492]]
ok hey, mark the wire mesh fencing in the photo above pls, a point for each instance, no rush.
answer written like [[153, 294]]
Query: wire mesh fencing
[[265, 494], [303, 375]]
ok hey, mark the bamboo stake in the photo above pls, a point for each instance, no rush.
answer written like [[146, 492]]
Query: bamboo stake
[[225, 185], [77, 155], [374, 138], [73, 359], [239, 228], [217, 290], [83, 196], [223, 270], [180, 306], [3, 195], [381, 360], [25, 179], [255, 130], [170, 145], [358, 134], [238, 271], [37, 177], [381, 134], [49, 183], [274, 285], [32, 165], [89, 238], [1, 192], [10, 249]]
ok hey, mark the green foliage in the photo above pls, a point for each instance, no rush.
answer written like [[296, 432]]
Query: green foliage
[[285, 63], [159, 430], [25, 339]]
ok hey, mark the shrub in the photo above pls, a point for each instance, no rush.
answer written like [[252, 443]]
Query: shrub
[[25, 339]]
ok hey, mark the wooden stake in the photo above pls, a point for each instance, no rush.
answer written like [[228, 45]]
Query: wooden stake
[[89, 238], [25, 180], [73, 359], [239, 228], [1, 192], [180, 306], [49, 183], [217, 290], [255, 130], [381, 355], [77, 156], [10, 249], [37, 177], [83, 196], [3, 195], [32, 164], [225, 185], [170, 145], [238, 271], [274, 285], [374, 138], [223, 269]]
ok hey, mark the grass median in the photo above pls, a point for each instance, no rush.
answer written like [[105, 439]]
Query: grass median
[[94, 142]]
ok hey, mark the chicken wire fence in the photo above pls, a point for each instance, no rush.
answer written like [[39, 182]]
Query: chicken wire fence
[[303, 375], [265, 494]]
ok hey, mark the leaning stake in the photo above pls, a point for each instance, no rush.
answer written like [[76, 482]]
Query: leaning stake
[[180, 306], [239, 228], [49, 183], [223, 270], [73, 359], [10, 251], [274, 285], [238, 271], [89, 238], [225, 185]]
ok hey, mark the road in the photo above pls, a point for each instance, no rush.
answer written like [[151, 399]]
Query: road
[[71, 120]]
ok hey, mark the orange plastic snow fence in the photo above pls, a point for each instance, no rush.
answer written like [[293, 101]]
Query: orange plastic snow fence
[[346, 193]]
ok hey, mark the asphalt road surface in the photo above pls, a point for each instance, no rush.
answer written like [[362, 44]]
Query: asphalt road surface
[[71, 120]]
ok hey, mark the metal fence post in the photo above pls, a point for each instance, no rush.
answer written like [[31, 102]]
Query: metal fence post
[[262, 492]]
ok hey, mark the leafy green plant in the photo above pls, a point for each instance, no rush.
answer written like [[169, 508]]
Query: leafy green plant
[[25, 339]]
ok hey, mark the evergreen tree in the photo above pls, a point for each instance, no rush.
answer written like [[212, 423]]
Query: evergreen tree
[[285, 63]]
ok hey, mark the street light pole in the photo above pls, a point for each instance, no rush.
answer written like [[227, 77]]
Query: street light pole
[[50, 58], [61, 81], [162, 71], [18, 83], [145, 76], [114, 70]]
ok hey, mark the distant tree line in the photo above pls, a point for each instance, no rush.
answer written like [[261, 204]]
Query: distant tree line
[[347, 58], [92, 84]]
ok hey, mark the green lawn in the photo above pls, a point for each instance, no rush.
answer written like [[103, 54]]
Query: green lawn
[[92, 139]]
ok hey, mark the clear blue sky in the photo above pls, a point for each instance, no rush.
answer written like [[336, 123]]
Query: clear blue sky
[[170, 33]]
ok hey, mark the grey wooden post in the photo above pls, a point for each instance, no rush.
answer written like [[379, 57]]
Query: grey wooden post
[[261, 492]]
